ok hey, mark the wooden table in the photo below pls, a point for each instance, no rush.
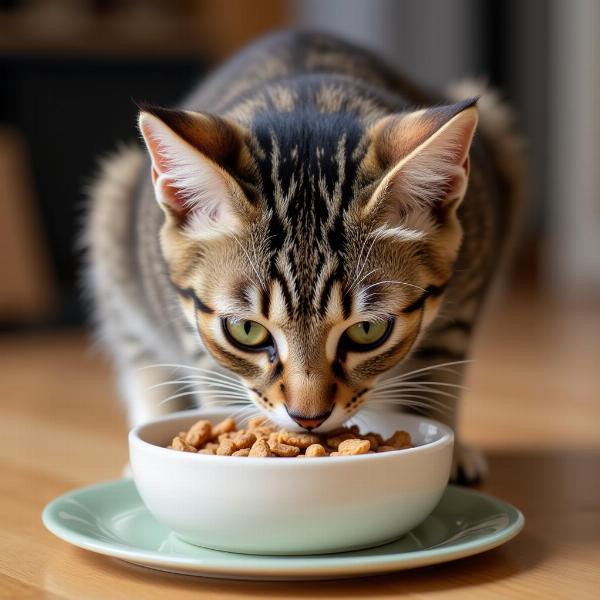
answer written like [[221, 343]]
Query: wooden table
[[534, 406]]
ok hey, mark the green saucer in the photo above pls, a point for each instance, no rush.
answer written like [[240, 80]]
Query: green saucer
[[110, 518]]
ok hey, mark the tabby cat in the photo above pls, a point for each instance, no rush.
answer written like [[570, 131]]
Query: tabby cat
[[300, 236]]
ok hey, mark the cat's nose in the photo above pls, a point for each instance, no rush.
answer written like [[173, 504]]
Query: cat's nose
[[309, 423]]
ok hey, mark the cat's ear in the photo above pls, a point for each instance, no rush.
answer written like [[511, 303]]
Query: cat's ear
[[191, 154], [425, 155]]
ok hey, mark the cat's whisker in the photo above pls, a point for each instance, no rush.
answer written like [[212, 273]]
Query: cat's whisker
[[209, 381], [218, 394], [358, 282], [384, 384], [440, 366], [175, 396], [244, 421], [208, 405], [199, 392], [260, 279], [372, 285], [412, 384], [418, 406], [200, 369], [376, 234], [224, 401], [360, 265], [401, 401], [404, 391], [431, 401], [414, 402], [241, 413], [401, 389]]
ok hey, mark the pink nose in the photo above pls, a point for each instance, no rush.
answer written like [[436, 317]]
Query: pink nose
[[309, 422]]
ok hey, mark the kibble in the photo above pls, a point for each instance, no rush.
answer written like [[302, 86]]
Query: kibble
[[262, 439]]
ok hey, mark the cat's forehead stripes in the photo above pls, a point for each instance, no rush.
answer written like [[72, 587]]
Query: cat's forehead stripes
[[306, 200]]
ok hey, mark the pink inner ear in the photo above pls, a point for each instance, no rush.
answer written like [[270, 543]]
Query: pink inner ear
[[169, 195]]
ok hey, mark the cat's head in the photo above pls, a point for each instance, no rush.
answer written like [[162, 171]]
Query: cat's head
[[310, 252]]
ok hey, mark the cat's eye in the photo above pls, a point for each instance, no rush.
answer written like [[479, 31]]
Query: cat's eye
[[247, 333], [367, 335]]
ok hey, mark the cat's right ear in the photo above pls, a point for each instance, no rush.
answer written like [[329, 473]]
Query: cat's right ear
[[190, 152]]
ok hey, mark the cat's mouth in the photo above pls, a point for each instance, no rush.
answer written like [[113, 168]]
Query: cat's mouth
[[309, 422]]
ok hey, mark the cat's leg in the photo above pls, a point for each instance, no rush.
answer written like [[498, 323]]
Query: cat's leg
[[437, 380], [147, 387], [440, 388]]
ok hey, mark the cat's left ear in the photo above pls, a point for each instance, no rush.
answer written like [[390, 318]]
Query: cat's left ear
[[193, 159], [425, 155]]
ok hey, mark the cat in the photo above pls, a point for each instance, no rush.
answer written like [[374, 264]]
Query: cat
[[309, 233]]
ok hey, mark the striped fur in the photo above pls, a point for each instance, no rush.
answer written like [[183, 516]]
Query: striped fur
[[305, 187]]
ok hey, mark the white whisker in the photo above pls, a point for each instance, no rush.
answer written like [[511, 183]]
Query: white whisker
[[375, 235], [207, 383], [413, 401], [429, 368], [200, 369], [359, 281], [199, 392], [384, 385], [401, 389], [391, 281], [260, 279], [392, 399]]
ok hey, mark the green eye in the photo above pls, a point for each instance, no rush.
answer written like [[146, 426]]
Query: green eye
[[368, 333], [247, 333]]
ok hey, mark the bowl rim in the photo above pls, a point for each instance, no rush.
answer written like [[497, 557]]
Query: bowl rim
[[135, 440]]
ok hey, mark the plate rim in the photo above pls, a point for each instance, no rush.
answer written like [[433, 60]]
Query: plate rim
[[301, 566]]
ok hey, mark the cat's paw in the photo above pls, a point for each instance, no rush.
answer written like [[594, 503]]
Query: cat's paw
[[469, 466]]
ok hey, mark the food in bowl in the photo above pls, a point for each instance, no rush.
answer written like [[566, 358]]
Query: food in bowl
[[307, 506], [262, 439]]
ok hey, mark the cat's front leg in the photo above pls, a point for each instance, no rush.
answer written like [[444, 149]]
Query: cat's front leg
[[469, 465], [146, 392], [432, 385]]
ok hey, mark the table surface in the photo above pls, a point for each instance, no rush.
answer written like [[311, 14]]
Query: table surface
[[533, 405]]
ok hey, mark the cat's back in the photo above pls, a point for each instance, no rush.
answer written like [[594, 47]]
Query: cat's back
[[274, 71]]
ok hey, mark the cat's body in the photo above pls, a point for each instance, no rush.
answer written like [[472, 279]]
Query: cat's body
[[310, 107]]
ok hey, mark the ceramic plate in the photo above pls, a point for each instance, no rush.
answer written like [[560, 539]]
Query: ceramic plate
[[109, 518]]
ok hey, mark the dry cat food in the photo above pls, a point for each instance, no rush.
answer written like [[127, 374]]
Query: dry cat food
[[261, 438]]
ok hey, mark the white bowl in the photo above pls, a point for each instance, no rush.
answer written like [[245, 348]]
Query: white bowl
[[290, 505]]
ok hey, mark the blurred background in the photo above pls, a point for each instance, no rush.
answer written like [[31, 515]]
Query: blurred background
[[70, 69]]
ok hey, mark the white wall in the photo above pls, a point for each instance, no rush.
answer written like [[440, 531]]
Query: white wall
[[573, 245], [433, 41]]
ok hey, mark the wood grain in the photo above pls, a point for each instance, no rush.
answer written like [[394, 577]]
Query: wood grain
[[534, 405]]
